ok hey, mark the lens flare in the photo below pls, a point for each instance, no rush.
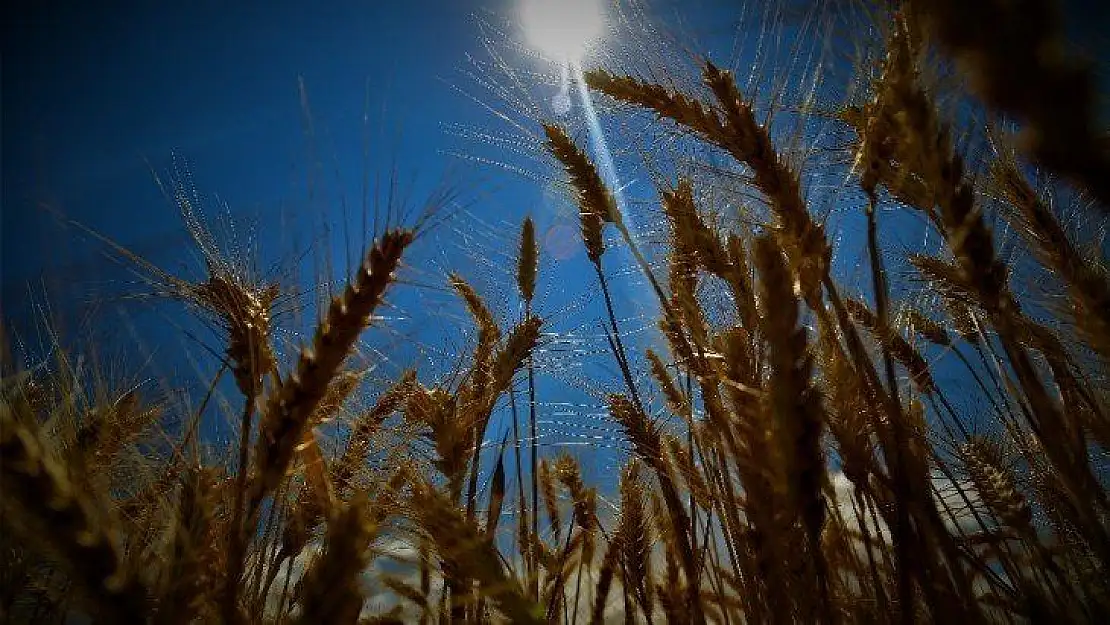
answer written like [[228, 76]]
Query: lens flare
[[562, 29], [561, 241]]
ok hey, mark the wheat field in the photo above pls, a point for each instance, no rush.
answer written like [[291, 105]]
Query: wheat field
[[801, 423]]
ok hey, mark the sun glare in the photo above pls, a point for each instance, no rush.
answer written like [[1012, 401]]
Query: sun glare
[[562, 29]]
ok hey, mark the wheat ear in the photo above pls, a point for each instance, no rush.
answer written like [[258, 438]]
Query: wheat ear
[[289, 408]]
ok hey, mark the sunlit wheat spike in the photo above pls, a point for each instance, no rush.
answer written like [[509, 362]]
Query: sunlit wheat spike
[[245, 310], [478, 398], [926, 145], [289, 407], [669, 593], [647, 441], [41, 504], [682, 273], [519, 345], [691, 474], [527, 260], [319, 487], [736, 131], [240, 303], [550, 498], [962, 316], [497, 495], [437, 410], [569, 474], [750, 143], [640, 429], [596, 204], [666, 103], [489, 333], [477, 309], [342, 386], [995, 483], [691, 233], [585, 507], [676, 400]]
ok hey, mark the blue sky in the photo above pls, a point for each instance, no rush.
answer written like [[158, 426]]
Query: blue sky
[[95, 97], [90, 94]]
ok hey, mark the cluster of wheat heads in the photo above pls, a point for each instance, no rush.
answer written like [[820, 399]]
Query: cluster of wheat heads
[[812, 459]]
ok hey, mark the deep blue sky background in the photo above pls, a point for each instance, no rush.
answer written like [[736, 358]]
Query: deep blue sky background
[[92, 92], [95, 96]]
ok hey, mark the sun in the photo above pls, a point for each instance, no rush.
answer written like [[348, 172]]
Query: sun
[[562, 29]]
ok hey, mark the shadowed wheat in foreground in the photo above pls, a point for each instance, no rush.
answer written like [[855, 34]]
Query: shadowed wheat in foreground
[[929, 446]]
